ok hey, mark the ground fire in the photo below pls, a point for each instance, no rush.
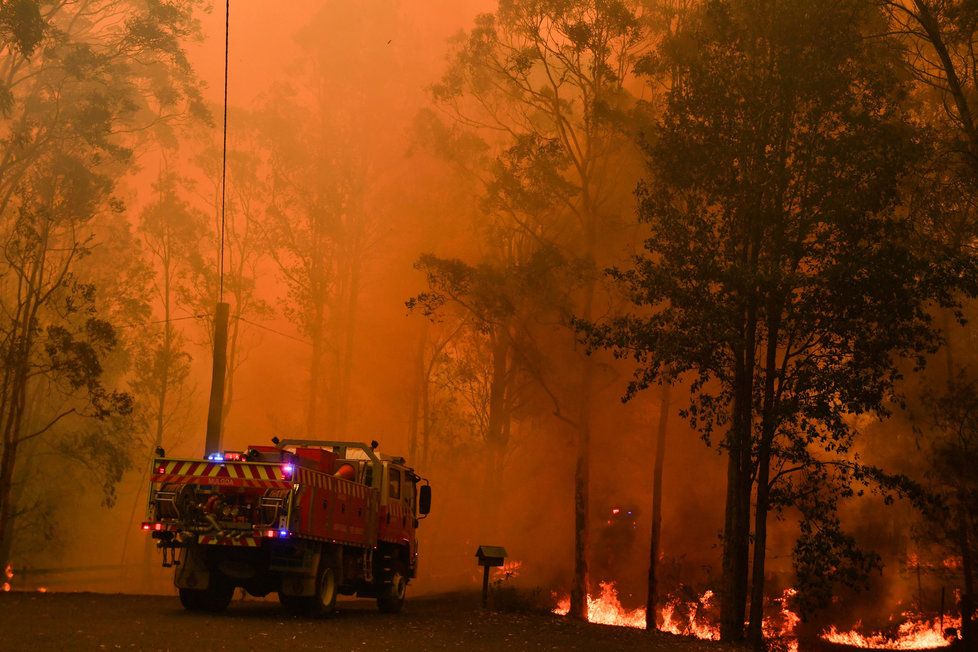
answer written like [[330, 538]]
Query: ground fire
[[914, 633], [689, 619]]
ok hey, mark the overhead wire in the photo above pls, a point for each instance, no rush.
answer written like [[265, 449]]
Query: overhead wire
[[224, 151]]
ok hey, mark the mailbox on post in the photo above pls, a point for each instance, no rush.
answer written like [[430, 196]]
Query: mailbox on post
[[489, 556]]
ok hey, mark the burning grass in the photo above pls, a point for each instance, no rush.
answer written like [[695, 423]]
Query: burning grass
[[697, 619], [915, 633]]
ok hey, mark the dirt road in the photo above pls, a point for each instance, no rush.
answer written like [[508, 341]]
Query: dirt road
[[90, 621]]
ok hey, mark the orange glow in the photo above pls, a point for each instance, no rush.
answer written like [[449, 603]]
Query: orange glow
[[8, 574], [781, 626], [693, 623], [682, 619], [508, 571], [606, 609], [915, 634]]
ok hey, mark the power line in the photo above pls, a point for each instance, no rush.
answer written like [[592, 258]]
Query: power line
[[272, 330], [224, 152], [160, 321]]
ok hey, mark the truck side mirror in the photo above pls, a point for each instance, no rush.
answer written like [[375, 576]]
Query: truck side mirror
[[424, 499]]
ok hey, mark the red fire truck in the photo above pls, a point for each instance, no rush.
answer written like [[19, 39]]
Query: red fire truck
[[306, 519]]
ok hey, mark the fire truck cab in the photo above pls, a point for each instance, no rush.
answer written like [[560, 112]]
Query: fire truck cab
[[307, 519]]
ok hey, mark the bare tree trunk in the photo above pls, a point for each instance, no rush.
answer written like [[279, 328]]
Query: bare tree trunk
[[768, 430], [315, 374], [968, 632], [420, 380], [232, 356], [496, 427], [7, 459], [350, 322], [582, 481], [736, 530], [652, 597]]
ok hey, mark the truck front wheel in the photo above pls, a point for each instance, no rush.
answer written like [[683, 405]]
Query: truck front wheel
[[391, 596]]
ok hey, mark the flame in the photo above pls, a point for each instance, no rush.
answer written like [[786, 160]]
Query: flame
[[951, 563], [42, 589], [8, 574], [782, 626], [689, 619], [674, 622], [606, 609], [508, 570], [915, 634]]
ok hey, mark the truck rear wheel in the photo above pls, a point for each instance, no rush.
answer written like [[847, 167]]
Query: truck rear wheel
[[215, 598], [391, 596], [323, 603]]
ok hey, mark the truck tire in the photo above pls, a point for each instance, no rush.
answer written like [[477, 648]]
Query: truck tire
[[390, 599], [319, 605], [326, 592], [215, 598]]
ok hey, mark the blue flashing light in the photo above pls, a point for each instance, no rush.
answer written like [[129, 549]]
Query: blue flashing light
[[287, 469], [283, 533], [215, 457]]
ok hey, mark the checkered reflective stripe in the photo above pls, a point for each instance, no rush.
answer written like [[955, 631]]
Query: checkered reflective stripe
[[331, 483], [247, 542], [398, 510], [238, 474]]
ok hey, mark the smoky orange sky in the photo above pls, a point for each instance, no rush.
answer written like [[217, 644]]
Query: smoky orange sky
[[411, 42]]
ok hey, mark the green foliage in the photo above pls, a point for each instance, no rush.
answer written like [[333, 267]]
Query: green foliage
[[21, 25], [779, 265], [84, 84]]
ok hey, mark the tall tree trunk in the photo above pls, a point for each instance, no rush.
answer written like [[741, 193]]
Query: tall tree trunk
[[232, 356], [355, 268], [768, 430], [579, 589], [968, 630], [315, 375], [7, 459], [12, 434], [582, 475], [736, 530], [652, 596], [496, 428], [426, 419], [420, 379]]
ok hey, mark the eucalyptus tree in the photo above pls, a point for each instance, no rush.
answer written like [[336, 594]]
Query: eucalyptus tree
[[80, 84], [554, 76], [172, 231], [326, 216], [780, 273], [239, 234]]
